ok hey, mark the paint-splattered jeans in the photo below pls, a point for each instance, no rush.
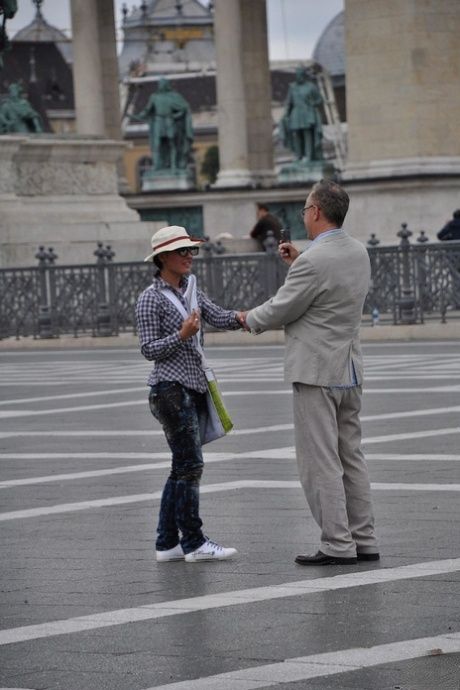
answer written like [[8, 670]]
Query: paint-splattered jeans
[[178, 410]]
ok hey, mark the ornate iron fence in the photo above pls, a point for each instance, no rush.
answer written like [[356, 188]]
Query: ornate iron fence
[[99, 299], [410, 284]]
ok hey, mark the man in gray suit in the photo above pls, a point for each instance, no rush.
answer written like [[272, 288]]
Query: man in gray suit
[[320, 306]]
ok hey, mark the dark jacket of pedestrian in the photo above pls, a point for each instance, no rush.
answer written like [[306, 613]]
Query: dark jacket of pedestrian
[[266, 221], [451, 230]]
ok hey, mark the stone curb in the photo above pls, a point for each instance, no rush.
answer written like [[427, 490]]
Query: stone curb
[[431, 331]]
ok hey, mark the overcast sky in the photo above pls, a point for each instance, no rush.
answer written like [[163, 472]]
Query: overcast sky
[[294, 25]]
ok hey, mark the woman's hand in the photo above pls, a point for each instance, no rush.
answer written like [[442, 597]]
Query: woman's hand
[[240, 316], [190, 326]]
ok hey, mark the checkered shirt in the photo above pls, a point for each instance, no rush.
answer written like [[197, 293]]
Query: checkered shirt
[[158, 325]]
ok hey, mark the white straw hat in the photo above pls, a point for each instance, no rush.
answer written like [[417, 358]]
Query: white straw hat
[[170, 238]]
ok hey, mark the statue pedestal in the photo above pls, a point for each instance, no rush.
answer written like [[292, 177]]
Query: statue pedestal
[[63, 193], [302, 171], [420, 191], [162, 180]]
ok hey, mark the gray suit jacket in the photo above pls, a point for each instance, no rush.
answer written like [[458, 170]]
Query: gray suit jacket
[[320, 305]]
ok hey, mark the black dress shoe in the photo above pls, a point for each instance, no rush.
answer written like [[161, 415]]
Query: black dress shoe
[[368, 556], [321, 558]]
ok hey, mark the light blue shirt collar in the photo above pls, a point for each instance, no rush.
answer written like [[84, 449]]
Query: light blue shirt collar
[[332, 231]]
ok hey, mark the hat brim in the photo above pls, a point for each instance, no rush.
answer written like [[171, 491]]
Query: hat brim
[[178, 244]]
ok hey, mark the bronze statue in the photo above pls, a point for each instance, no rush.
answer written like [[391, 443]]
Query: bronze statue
[[16, 113], [170, 128], [301, 126], [8, 9]]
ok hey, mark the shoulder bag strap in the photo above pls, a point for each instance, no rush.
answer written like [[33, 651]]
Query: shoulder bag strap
[[190, 297]]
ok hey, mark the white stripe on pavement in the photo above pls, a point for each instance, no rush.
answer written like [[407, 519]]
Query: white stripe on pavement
[[411, 435], [396, 376], [134, 432], [104, 455], [414, 457], [277, 391], [127, 469], [88, 433], [127, 378], [205, 489], [321, 665], [225, 599], [287, 453], [8, 414], [72, 396], [283, 453]]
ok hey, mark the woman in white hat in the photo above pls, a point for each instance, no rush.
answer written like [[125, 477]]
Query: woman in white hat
[[177, 389]]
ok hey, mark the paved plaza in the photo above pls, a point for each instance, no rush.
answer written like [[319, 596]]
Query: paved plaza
[[85, 606]]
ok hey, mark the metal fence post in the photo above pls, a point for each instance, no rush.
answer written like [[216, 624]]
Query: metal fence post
[[104, 256], [272, 264], [407, 303], [45, 259], [421, 273], [209, 282]]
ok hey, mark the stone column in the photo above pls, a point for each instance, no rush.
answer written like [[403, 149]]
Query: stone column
[[243, 94], [109, 68], [95, 69], [403, 105], [403, 100]]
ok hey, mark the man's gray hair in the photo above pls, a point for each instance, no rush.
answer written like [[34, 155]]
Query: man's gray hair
[[332, 199]]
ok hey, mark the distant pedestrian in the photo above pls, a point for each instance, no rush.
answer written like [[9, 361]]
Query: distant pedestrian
[[451, 230], [320, 305], [266, 221], [178, 389]]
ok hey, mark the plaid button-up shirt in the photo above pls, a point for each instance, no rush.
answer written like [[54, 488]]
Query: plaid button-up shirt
[[159, 323]]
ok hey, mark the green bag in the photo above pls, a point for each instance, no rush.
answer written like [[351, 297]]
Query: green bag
[[217, 422]]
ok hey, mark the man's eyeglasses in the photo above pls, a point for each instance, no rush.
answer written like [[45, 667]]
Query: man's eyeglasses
[[305, 209], [184, 251]]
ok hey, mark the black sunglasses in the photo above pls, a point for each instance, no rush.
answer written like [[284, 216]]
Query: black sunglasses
[[184, 251]]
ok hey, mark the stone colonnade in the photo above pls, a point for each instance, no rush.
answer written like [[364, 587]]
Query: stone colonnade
[[402, 104], [243, 84]]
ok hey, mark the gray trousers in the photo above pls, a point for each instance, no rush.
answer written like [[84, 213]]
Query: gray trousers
[[332, 468]]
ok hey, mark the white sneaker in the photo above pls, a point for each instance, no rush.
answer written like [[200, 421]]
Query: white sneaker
[[210, 551], [174, 554]]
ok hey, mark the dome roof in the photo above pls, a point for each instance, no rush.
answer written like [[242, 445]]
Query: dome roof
[[167, 36], [39, 31], [330, 47], [167, 12]]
